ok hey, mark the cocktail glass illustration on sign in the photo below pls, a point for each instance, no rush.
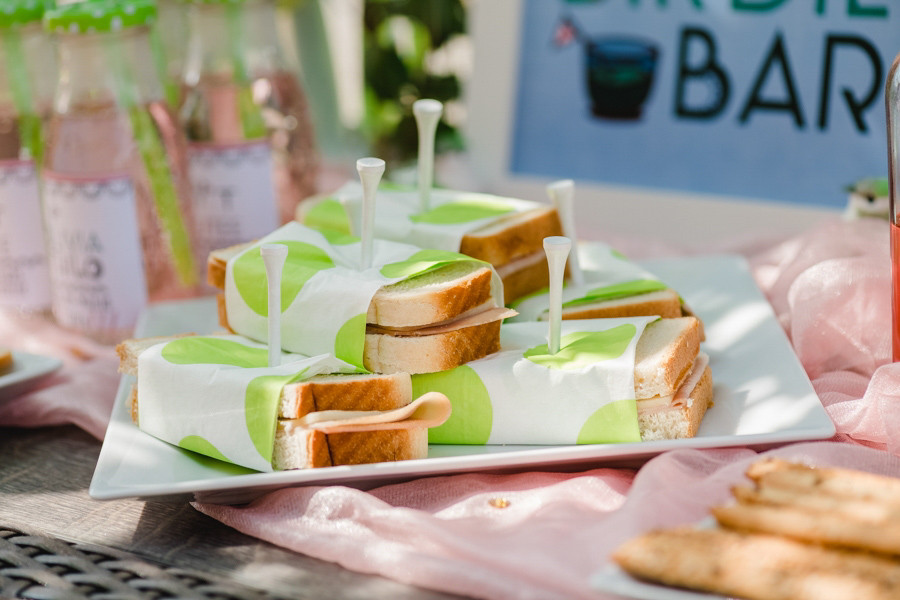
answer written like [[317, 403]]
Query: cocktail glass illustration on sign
[[619, 70]]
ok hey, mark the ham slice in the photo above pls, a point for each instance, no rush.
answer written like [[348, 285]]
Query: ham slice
[[472, 319]]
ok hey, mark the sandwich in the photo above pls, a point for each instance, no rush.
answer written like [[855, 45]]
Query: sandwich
[[613, 380], [614, 287], [438, 311], [673, 381], [508, 233], [323, 420]]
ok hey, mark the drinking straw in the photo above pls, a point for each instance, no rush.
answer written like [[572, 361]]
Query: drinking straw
[[273, 256], [557, 249], [427, 113], [156, 164], [20, 86], [252, 122], [157, 49], [370, 172]]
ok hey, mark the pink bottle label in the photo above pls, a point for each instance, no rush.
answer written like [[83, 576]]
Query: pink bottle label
[[233, 193], [96, 263], [24, 277]]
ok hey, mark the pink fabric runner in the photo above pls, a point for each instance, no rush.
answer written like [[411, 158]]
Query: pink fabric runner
[[80, 393], [830, 289]]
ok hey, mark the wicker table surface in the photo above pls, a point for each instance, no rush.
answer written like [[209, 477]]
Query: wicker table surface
[[57, 542]]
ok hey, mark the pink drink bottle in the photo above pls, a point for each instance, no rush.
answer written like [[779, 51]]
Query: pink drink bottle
[[116, 194], [252, 149], [26, 76]]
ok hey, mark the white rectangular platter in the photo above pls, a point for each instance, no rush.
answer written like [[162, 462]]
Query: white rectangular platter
[[762, 398]]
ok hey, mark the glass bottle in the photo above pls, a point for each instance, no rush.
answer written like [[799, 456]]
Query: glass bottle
[[26, 76], [252, 148], [116, 194], [168, 40], [892, 101]]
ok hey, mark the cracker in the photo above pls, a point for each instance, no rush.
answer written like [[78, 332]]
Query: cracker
[[845, 483], [755, 566], [879, 534]]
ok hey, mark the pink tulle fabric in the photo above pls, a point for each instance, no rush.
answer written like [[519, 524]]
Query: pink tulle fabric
[[81, 393], [542, 535]]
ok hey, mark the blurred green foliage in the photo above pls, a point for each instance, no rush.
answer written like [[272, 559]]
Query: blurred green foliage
[[398, 36]]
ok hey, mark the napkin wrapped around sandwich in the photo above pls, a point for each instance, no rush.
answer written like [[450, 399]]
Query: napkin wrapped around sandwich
[[614, 287], [217, 396], [414, 310], [613, 380], [506, 232]]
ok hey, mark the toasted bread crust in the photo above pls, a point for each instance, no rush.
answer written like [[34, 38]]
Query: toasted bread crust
[[318, 451], [530, 278], [335, 392], [377, 446], [217, 261], [356, 448], [666, 305], [525, 235], [436, 305], [430, 353]]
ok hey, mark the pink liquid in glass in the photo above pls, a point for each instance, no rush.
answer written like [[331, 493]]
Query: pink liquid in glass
[[895, 299]]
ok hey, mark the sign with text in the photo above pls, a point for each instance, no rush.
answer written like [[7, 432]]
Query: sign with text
[[769, 99]]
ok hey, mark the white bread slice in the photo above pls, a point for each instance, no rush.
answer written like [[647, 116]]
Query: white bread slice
[[664, 303], [524, 276], [678, 420], [665, 356], [512, 237], [500, 242], [432, 297], [386, 353]]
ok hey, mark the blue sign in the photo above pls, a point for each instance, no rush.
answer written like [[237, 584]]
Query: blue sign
[[771, 99]]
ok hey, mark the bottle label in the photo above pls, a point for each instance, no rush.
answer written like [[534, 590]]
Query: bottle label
[[96, 263], [24, 277], [233, 193]]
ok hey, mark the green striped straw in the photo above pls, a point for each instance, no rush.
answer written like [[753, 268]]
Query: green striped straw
[[252, 121], [14, 14]]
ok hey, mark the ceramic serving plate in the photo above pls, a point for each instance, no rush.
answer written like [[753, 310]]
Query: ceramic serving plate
[[762, 398], [27, 370]]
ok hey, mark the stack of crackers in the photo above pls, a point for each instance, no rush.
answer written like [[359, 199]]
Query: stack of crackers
[[798, 533]]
